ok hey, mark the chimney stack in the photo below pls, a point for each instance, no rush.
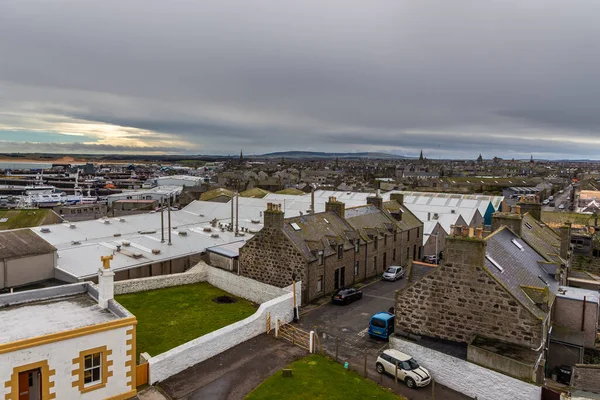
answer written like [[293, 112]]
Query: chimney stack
[[532, 206], [273, 216], [465, 247], [399, 197], [565, 240], [511, 220], [336, 206], [106, 282]]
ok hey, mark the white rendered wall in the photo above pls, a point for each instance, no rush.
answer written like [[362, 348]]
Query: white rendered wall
[[60, 357], [193, 352], [465, 377]]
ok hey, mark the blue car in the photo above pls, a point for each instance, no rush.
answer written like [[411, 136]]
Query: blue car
[[381, 325]]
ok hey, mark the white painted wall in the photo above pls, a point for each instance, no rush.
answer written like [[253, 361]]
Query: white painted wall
[[60, 357], [193, 352], [467, 378], [193, 275]]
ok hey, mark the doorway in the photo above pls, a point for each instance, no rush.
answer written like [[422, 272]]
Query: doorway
[[30, 385], [336, 279], [343, 277]]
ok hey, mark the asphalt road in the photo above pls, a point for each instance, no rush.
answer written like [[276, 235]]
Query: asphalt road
[[349, 325], [560, 199]]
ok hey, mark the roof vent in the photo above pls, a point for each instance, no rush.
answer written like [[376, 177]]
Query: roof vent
[[72, 226], [75, 242], [45, 230], [149, 232], [137, 255], [117, 235], [436, 216], [214, 235], [452, 211], [207, 229], [182, 233], [155, 251], [121, 219], [106, 221], [126, 243], [255, 221]]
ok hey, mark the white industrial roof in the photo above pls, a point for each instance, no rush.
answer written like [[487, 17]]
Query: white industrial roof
[[568, 292]]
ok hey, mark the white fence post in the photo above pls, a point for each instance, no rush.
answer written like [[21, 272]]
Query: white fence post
[[312, 342], [277, 329]]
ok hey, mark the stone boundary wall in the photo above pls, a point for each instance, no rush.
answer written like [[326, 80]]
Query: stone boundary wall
[[193, 275], [586, 377], [465, 377], [241, 286], [195, 351], [230, 282]]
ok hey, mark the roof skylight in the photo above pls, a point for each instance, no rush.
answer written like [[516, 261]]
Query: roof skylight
[[295, 226], [494, 263], [514, 241]]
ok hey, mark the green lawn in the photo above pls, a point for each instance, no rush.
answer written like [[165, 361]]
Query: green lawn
[[172, 316], [318, 378], [22, 218]]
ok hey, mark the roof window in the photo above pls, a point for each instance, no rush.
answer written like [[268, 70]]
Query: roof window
[[490, 259], [514, 241], [295, 226], [528, 225]]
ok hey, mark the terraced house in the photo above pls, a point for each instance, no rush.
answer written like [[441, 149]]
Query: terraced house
[[331, 249]]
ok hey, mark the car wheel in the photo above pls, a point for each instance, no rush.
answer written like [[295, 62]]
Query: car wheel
[[410, 382], [360, 296], [380, 368], [346, 301]]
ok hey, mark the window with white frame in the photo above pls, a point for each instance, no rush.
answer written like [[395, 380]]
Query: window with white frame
[[92, 369], [320, 284]]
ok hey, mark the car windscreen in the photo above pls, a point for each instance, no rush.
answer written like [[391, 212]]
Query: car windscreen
[[379, 323], [391, 270], [412, 364]]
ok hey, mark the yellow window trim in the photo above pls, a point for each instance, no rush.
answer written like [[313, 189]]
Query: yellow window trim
[[73, 333], [79, 365]]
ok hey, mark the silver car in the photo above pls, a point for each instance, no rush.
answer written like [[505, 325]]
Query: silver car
[[393, 273]]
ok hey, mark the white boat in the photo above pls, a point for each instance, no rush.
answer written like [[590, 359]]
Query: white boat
[[48, 199]]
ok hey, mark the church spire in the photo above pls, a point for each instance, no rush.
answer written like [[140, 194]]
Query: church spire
[[421, 156]]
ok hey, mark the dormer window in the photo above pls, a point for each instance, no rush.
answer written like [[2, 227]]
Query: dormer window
[[356, 245], [321, 258]]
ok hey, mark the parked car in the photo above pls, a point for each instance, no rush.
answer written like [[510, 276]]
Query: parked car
[[431, 259], [561, 191], [346, 296], [409, 371], [393, 273], [561, 207], [381, 325]]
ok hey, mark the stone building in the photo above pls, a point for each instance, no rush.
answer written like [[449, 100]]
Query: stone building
[[491, 294], [331, 249]]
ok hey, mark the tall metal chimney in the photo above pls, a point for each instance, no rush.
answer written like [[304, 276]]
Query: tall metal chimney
[[169, 214], [162, 220], [312, 200], [237, 212], [232, 200]]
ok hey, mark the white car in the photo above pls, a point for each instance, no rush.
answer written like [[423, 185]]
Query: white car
[[393, 273], [409, 371], [561, 207]]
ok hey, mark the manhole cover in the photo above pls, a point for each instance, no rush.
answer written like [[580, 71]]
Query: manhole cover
[[224, 300]]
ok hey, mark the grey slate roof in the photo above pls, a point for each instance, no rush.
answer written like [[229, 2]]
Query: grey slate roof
[[541, 237], [22, 243], [320, 231], [521, 267]]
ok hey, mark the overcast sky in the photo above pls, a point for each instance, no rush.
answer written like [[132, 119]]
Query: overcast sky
[[456, 78]]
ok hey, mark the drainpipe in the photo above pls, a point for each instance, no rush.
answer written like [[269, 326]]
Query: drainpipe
[[162, 221], [583, 314], [169, 216]]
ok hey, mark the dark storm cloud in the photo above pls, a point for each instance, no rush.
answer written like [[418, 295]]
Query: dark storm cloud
[[455, 77]]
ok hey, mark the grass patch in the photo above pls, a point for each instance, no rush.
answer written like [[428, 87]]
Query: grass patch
[[22, 218], [555, 218], [173, 316], [291, 191], [319, 378]]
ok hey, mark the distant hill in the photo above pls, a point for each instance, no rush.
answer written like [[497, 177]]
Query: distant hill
[[316, 154]]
